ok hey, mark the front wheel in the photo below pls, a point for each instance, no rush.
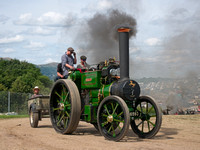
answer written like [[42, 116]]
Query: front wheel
[[65, 106], [147, 118], [113, 118]]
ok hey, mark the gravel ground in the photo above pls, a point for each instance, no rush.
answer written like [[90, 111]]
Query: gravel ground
[[177, 132]]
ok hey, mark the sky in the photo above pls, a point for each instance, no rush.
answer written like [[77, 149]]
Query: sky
[[166, 43]]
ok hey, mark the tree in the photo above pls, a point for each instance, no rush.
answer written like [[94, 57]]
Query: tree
[[2, 87], [21, 77]]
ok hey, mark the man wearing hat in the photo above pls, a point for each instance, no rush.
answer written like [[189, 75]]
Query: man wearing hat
[[36, 92], [68, 61], [83, 64]]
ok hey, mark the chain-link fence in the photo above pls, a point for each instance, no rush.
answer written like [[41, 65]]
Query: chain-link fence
[[14, 102]]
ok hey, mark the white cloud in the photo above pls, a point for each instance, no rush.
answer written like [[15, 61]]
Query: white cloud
[[25, 17], [34, 45], [17, 38], [8, 50], [47, 19], [152, 41], [51, 18], [104, 4], [40, 31]]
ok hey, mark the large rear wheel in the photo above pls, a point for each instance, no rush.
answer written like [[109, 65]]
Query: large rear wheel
[[147, 118], [65, 106], [113, 118]]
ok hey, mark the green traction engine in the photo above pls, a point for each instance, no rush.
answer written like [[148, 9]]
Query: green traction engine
[[105, 97]]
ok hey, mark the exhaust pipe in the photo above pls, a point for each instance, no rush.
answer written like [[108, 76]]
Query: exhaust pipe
[[125, 88], [124, 53]]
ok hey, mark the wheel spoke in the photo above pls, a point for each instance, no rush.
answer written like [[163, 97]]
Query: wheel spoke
[[66, 97], [64, 89], [151, 123], [110, 128], [58, 94], [142, 126], [104, 115], [60, 120], [115, 108], [148, 125], [118, 120], [114, 135], [112, 106], [103, 124], [120, 114], [106, 109], [54, 109], [153, 115], [67, 105], [58, 117], [65, 122], [150, 109], [67, 114], [62, 95], [139, 124]]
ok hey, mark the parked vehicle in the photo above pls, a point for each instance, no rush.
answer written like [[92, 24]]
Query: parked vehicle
[[38, 108]]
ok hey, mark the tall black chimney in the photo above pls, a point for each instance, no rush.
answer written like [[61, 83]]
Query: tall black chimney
[[124, 53]]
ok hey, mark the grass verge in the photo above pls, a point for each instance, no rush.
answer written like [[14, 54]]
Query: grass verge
[[13, 116]]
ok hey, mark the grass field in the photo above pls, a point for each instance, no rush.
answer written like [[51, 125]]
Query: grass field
[[12, 116]]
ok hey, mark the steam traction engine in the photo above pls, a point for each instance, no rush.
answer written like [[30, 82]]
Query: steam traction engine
[[102, 98]]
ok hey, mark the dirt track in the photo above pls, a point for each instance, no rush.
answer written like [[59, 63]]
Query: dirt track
[[177, 132]]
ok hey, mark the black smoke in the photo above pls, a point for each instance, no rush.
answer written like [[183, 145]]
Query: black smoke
[[98, 36]]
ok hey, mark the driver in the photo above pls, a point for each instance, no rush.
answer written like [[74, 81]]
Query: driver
[[68, 61]]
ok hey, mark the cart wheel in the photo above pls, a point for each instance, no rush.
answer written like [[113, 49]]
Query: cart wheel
[[147, 118], [33, 117], [65, 106], [113, 118]]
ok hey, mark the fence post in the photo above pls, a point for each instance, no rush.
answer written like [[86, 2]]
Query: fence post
[[8, 101]]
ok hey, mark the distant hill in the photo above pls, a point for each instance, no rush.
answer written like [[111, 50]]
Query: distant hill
[[6, 58], [49, 70]]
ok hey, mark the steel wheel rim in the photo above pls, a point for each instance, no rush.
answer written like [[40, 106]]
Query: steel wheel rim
[[112, 118], [145, 118]]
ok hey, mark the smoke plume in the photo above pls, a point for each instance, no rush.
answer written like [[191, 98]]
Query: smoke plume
[[181, 51], [98, 37]]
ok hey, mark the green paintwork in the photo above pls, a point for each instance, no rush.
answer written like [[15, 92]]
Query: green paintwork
[[90, 80], [76, 77], [90, 112], [87, 111]]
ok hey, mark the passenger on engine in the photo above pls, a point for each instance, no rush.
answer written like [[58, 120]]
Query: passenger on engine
[[83, 64], [111, 61], [59, 72], [68, 61]]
